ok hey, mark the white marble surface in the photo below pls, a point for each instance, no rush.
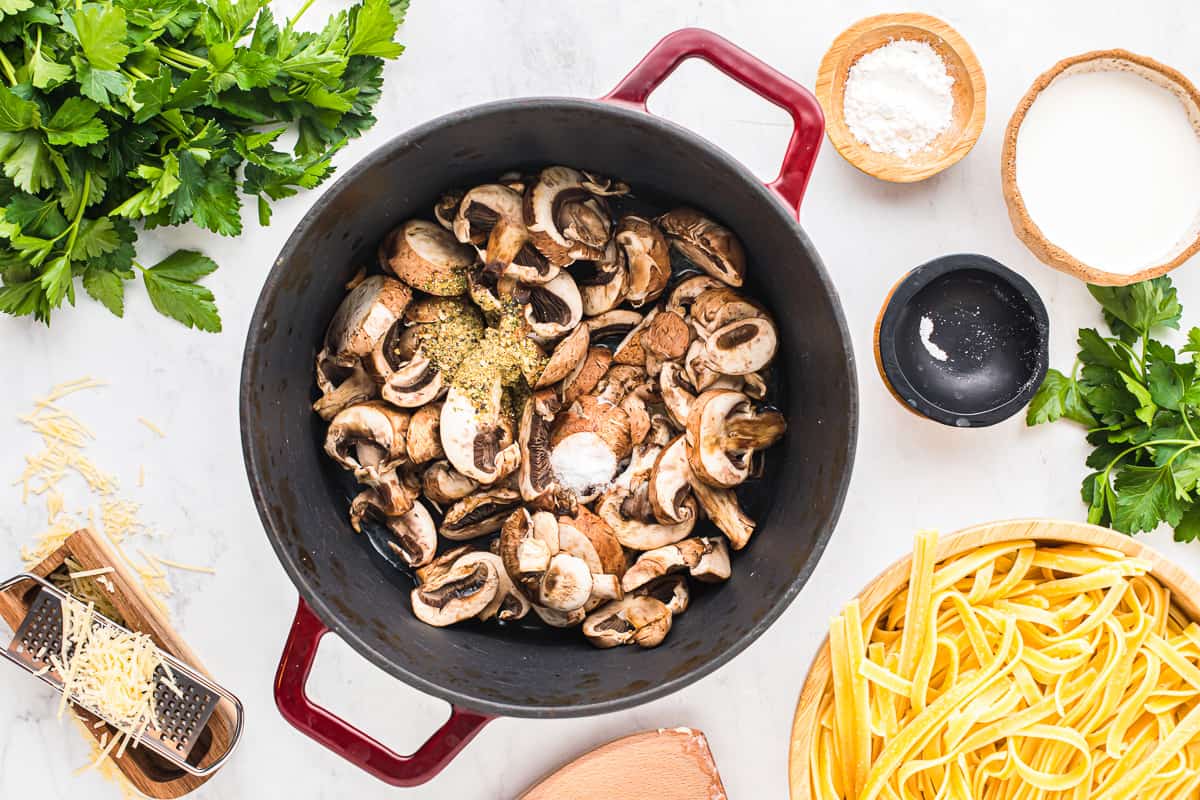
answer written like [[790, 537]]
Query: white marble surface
[[909, 474]]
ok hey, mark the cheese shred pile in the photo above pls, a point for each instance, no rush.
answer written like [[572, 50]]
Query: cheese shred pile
[[1016, 670], [111, 672]]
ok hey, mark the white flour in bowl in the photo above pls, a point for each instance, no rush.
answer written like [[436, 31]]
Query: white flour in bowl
[[1108, 166], [898, 98]]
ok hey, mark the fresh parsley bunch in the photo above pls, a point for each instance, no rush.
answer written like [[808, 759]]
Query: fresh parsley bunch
[[164, 112], [1141, 406]]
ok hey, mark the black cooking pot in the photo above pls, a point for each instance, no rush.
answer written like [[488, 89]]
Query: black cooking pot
[[303, 497]]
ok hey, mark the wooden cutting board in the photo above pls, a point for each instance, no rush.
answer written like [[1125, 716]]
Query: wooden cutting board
[[149, 774], [665, 764]]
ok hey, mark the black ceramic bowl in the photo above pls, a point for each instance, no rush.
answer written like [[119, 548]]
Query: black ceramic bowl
[[963, 340]]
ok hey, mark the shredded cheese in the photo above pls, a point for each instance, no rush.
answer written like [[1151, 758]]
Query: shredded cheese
[[157, 430], [90, 573], [1015, 671]]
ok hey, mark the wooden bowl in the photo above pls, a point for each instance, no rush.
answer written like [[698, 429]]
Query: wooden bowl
[[1024, 226], [1185, 592], [970, 94]]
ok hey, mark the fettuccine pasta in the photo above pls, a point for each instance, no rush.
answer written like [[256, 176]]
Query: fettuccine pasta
[[1016, 671]]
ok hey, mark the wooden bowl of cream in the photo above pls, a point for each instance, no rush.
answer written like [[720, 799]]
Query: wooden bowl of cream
[[969, 92], [1101, 168]]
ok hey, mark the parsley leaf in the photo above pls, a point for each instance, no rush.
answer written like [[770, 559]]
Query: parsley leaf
[[1058, 397], [75, 122], [107, 286], [171, 284], [101, 33]]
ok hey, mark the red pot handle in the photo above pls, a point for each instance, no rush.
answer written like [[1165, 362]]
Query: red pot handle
[[767, 82], [344, 739]]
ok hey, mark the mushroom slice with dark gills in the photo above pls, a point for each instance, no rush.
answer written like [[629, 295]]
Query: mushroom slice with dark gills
[[414, 535], [670, 484], [718, 307], [722, 508], [648, 258], [686, 291], [604, 282], [491, 217], [458, 594], [356, 387], [613, 326], [741, 347], [536, 476], [671, 590], [408, 379], [552, 309], [566, 220], [723, 432], [701, 375], [508, 604], [480, 513], [443, 484], [471, 434], [628, 512], [705, 558], [446, 208], [369, 438], [677, 392], [709, 245], [426, 256], [389, 495], [641, 620]]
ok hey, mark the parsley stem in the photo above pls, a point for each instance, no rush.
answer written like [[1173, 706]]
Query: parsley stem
[[1186, 423], [9, 72], [1186, 444], [83, 201], [184, 57], [292, 22]]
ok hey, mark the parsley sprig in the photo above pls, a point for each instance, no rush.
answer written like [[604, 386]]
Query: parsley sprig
[[162, 112], [1141, 406]]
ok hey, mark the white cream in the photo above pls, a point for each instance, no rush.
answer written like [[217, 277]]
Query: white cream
[[1108, 165]]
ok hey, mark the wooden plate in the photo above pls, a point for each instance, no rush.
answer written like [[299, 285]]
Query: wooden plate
[[1185, 592], [1023, 225], [970, 94]]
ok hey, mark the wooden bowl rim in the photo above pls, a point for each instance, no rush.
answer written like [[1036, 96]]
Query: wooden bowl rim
[[1024, 226], [863, 158], [1183, 589]]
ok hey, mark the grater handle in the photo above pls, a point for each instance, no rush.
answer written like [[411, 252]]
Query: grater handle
[[350, 743]]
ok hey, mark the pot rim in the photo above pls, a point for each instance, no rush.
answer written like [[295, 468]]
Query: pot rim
[[317, 602]]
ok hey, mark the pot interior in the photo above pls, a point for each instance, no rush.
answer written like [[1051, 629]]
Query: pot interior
[[303, 497]]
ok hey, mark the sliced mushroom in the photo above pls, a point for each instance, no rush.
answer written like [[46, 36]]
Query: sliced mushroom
[[471, 436], [630, 350], [356, 387], [425, 255], [676, 391], [602, 186], [390, 495], [627, 511], [369, 438], [671, 590], [685, 293], [461, 593], [718, 307], [508, 604], [696, 367], [741, 347], [710, 246], [481, 209], [648, 257], [721, 506], [619, 381], [414, 535], [560, 619], [424, 440], [667, 336], [566, 220], [708, 455], [612, 324], [536, 476], [480, 513], [567, 355], [604, 286], [670, 486], [443, 484], [365, 315], [754, 430], [604, 543], [566, 584], [754, 385], [706, 558], [553, 308], [587, 442], [634, 406], [446, 208], [643, 620], [586, 374]]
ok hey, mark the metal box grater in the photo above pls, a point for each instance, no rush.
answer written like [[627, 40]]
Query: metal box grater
[[181, 718]]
